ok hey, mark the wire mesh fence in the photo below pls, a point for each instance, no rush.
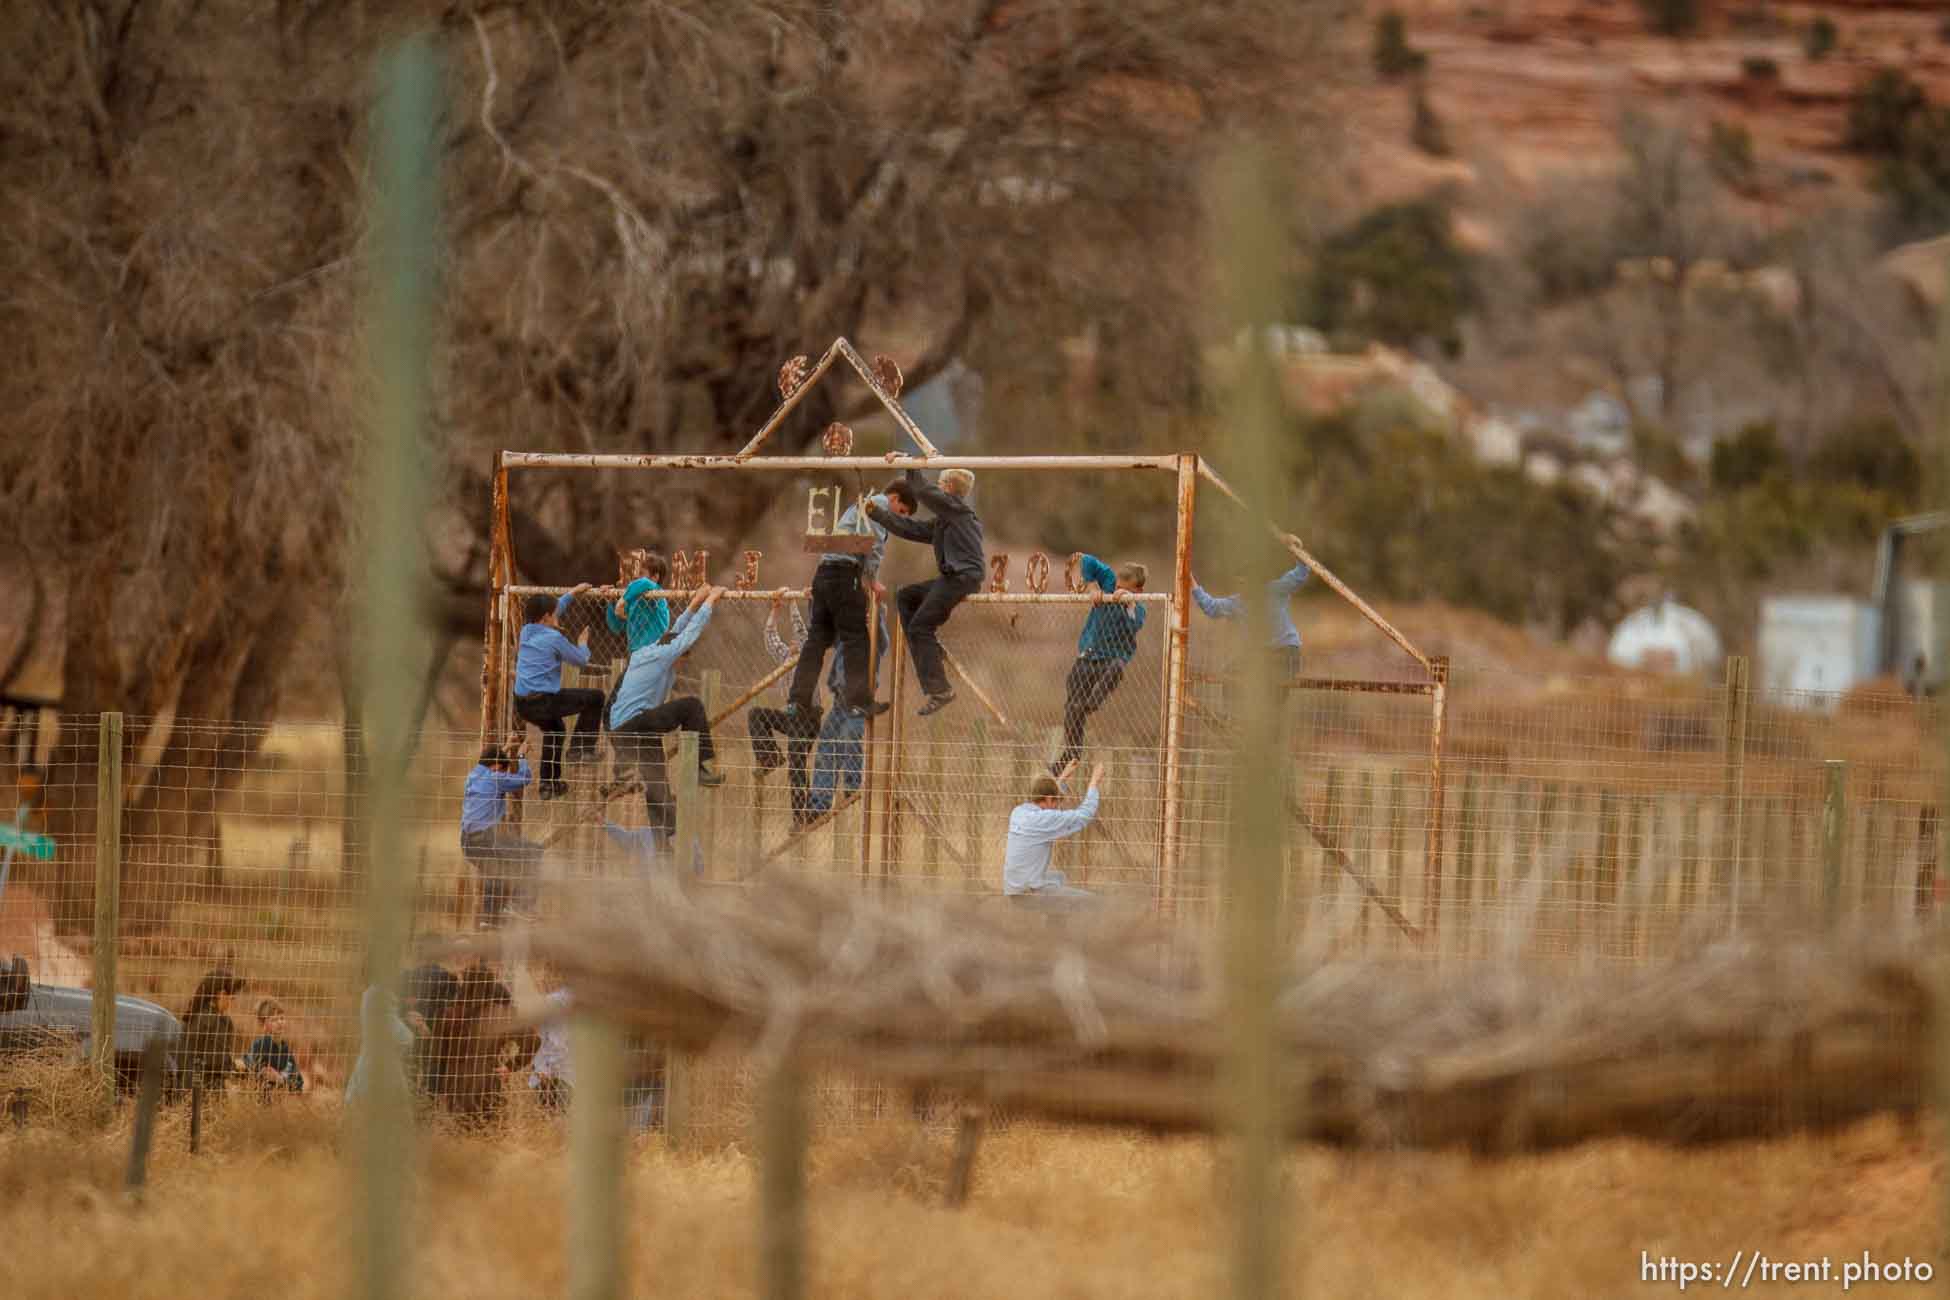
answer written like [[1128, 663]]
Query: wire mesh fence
[[1615, 817]]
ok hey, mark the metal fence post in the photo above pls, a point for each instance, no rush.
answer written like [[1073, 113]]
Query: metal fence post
[[1177, 666], [1834, 838], [108, 891]]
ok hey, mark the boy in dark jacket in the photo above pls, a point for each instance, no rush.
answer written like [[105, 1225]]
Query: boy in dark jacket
[[270, 1058], [956, 532]]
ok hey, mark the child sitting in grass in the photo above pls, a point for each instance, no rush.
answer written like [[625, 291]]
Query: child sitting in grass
[[270, 1058]]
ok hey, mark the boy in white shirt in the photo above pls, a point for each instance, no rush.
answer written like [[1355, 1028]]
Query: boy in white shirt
[[1034, 828]]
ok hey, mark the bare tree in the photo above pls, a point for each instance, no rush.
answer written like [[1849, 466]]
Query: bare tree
[[173, 186], [1668, 220], [651, 204], [667, 201]]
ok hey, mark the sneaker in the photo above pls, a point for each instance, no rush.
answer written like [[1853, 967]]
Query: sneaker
[[708, 775], [936, 703], [873, 709]]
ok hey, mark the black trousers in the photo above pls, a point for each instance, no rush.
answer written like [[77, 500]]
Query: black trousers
[[839, 613], [547, 712], [800, 734], [1091, 682], [641, 741], [924, 607]]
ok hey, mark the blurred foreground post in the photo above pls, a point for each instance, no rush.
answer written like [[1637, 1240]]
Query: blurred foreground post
[[108, 893], [597, 1147], [1255, 1102], [1942, 494], [782, 1183], [401, 338], [148, 1097]]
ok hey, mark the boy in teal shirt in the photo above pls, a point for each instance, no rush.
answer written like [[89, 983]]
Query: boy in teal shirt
[[639, 617]]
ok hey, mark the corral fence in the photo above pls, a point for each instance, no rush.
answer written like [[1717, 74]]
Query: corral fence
[[1614, 818]]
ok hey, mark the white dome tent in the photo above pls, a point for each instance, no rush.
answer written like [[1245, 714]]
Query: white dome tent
[[1666, 637]]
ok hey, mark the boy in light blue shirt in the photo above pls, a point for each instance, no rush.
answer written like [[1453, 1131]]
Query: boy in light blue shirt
[[643, 711], [497, 852], [1035, 826], [539, 697], [1283, 638]]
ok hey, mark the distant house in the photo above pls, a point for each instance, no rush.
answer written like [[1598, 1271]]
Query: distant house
[[1666, 637]]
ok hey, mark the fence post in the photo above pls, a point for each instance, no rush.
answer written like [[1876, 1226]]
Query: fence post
[[782, 1184], [895, 758], [677, 1065], [1432, 876], [1463, 910], [1733, 748], [979, 796], [1358, 843], [1834, 827], [108, 890], [1261, 1093], [685, 841], [1397, 838], [597, 1147], [712, 689], [1177, 659]]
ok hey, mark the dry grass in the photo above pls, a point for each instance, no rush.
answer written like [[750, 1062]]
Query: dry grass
[[266, 1210]]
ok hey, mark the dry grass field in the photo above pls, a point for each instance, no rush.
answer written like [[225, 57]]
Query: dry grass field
[[265, 1210]]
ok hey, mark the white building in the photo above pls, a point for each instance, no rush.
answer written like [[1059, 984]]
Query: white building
[[1666, 637]]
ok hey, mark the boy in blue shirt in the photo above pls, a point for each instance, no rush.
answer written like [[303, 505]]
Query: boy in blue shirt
[[643, 711], [1103, 651], [1283, 638], [496, 851], [539, 697]]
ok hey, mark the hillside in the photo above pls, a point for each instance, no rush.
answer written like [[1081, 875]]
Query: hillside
[[1528, 87]]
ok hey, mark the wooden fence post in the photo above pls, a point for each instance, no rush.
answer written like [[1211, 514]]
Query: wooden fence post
[[981, 795], [1733, 770], [782, 1184], [712, 688], [687, 842], [1355, 844], [1834, 828], [1605, 894], [1397, 838], [1463, 905], [108, 891], [684, 850], [597, 1148]]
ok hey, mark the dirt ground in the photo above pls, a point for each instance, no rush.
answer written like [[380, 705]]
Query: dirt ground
[[265, 1210]]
